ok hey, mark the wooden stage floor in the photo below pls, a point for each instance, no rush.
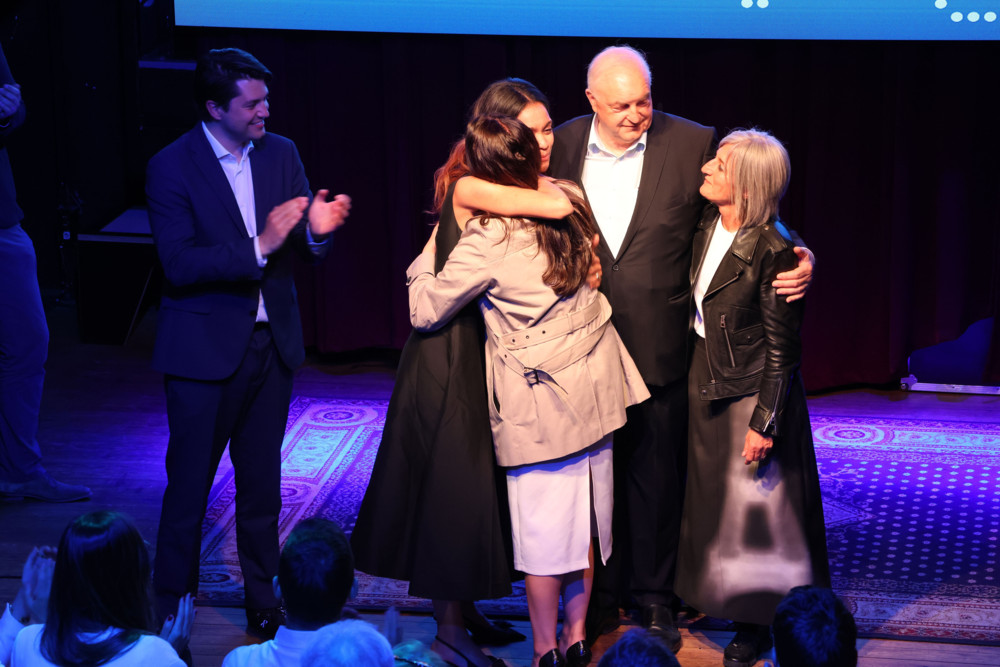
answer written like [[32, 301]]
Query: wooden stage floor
[[103, 424]]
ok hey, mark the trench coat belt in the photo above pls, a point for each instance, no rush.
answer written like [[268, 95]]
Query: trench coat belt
[[542, 373], [553, 329]]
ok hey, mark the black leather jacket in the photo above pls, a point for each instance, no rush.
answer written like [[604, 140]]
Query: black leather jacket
[[751, 334]]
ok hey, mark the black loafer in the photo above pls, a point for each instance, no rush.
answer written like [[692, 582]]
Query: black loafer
[[659, 621], [552, 659], [263, 623], [578, 655], [747, 646]]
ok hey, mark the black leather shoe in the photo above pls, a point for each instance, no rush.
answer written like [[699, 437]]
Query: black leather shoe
[[747, 646], [601, 621], [659, 621], [263, 623], [552, 659], [578, 655], [43, 487]]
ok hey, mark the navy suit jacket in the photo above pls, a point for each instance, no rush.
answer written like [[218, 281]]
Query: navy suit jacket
[[647, 280], [209, 305]]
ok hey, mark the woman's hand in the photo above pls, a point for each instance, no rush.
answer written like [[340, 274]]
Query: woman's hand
[[756, 446], [32, 599], [594, 273], [177, 629]]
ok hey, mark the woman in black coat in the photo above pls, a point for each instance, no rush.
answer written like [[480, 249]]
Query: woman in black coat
[[753, 517]]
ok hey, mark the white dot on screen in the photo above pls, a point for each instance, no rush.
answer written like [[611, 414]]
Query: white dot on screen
[[763, 4], [747, 3], [941, 4], [956, 17], [973, 16], [990, 17]]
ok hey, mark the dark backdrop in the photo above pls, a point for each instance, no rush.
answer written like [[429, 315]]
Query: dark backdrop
[[893, 145]]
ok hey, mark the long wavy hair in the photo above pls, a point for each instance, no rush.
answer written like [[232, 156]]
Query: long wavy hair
[[100, 581], [506, 97], [503, 150]]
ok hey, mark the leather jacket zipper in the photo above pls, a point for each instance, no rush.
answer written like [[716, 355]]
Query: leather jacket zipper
[[729, 345]]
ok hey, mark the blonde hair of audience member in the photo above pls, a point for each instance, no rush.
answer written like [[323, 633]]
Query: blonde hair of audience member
[[350, 643]]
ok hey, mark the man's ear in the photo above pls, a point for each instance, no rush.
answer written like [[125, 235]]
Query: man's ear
[[214, 110], [592, 99], [275, 586]]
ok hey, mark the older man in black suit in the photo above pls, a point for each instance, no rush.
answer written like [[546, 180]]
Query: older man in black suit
[[641, 171]]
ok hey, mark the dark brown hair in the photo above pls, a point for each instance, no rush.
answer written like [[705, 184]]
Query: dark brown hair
[[506, 97], [503, 150]]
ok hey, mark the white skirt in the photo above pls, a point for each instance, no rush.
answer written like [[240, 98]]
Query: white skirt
[[555, 510]]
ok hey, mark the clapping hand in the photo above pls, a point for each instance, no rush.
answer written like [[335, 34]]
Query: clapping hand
[[177, 629], [325, 216], [32, 598], [10, 100]]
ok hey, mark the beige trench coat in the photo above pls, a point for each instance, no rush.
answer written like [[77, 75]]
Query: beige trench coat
[[558, 375]]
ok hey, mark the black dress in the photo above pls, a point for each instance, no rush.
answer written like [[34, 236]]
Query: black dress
[[431, 514]]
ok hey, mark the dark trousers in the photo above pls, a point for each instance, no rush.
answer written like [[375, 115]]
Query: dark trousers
[[650, 457], [248, 410], [24, 344]]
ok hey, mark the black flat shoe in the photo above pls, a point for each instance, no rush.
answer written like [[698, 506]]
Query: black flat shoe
[[552, 659], [494, 661], [747, 646], [492, 633], [578, 655]]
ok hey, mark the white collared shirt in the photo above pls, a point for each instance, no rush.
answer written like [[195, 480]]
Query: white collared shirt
[[240, 179], [612, 185]]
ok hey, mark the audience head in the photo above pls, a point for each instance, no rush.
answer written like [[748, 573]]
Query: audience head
[[638, 648], [348, 644], [618, 87], [217, 74], [502, 149], [758, 169], [814, 628], [100, 580], [315, 573]]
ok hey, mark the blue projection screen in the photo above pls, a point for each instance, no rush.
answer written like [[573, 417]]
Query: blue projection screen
[[724, 19]]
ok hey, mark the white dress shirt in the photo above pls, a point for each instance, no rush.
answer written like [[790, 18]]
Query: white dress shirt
[[612, 184]]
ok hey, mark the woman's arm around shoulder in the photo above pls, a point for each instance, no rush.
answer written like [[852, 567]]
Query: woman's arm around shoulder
[[435, 299], [547, 201]]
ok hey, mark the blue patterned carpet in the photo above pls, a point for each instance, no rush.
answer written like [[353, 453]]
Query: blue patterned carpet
[[912, 513], [913, 524]]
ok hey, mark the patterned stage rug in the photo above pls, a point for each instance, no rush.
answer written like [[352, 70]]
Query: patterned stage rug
[[912, 512], [913, 525]]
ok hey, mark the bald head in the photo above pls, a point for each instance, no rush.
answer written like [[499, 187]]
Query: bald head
[[616, 60], [618, 87]]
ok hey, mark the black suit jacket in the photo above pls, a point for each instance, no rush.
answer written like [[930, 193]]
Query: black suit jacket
[[647, 281], [209, 303]]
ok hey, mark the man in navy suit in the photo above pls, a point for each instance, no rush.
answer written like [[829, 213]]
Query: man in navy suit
[[228, 204], [641, 171]]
